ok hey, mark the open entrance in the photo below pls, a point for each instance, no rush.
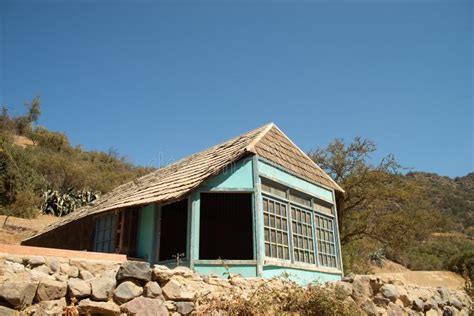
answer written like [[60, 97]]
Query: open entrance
[[226, 226], [174, 223]]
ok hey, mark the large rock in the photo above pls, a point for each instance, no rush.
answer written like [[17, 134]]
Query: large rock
[[86, 275], [152, 289], [389, 291], [395, 310], [79, 288], [5, 311], [95, 267], [18, 292], [127, 291], [184, 308], [88, 307], [361, 289], [369, 308], [145, 306], [102, 288], [163, 274], [134, 269], [34, 261], [55, 307], [177, 290], [345, 288], [50, 290]]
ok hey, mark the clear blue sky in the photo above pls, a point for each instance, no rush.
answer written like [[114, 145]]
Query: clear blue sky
[[161, 80]]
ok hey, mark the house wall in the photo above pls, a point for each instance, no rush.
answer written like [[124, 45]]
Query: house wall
[[272, 172], [237, 177], [300, 275]]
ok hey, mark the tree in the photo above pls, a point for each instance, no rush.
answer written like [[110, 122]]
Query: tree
[[379, 206]]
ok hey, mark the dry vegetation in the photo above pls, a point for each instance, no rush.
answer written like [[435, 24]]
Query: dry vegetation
[[16, 229]]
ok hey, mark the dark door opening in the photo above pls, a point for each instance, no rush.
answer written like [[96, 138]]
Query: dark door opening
[[174, 223], [226, 226]]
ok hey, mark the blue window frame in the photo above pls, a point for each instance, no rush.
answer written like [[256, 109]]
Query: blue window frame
[[105, 231], [298, 224], [326, 240], [275, 220]]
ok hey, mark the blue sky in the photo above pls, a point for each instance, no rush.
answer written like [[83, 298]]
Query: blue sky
[[160, 80]]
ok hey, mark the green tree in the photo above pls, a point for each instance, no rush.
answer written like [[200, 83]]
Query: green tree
[[380, 206]]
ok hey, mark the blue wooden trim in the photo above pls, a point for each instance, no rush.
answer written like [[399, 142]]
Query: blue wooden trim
[[281, 168], [336, 235], [155, 254], [195, 223], [316, 249], [226, 190], [188, 229], [259, 243], [230, 262]]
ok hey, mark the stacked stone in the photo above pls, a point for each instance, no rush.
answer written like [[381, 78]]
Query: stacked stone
[[377, 295], [38, 285]]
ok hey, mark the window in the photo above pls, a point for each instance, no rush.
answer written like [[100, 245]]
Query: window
[[275, 217], [302, 229], [173, 230], [226, 226], [273, 188], [104, 238], [326, 240], [312, 232]]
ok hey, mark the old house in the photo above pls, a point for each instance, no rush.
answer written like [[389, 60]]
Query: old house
[[255, 205]]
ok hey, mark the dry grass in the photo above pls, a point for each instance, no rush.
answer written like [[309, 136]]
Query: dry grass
[[17, 229]]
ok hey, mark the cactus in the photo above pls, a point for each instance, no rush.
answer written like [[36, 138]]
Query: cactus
[[61, 204]]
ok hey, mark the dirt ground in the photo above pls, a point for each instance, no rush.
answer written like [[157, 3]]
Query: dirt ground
[[17, 229]]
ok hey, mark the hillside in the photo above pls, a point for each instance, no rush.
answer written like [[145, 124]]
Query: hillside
[[454, 197], [34, 160]]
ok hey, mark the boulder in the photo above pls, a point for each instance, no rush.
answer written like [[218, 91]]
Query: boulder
[[55, 307], [177, 290], [152, 289], [86, 275], [93, 266], [134, 269], [369, 308], [184, 308], [12, 267], [348, 278], [345, 288], [418, 305], [88, 307], [34, 261], [380, 300], [102, 288], [53, 264], [5, 311], [455, 302], [78, 288], [163, 274], [127, 291], [19, 292], [145, 306], [50, 290], [42, 269], [389, 291], [361, 289], [394, 310]]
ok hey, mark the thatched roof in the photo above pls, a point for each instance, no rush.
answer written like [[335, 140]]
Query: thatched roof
[[177, 180]]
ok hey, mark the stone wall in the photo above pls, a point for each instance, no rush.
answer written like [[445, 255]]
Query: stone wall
[[37, 285]]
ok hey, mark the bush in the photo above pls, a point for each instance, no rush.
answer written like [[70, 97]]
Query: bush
[[286, 297], [25, 205]]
